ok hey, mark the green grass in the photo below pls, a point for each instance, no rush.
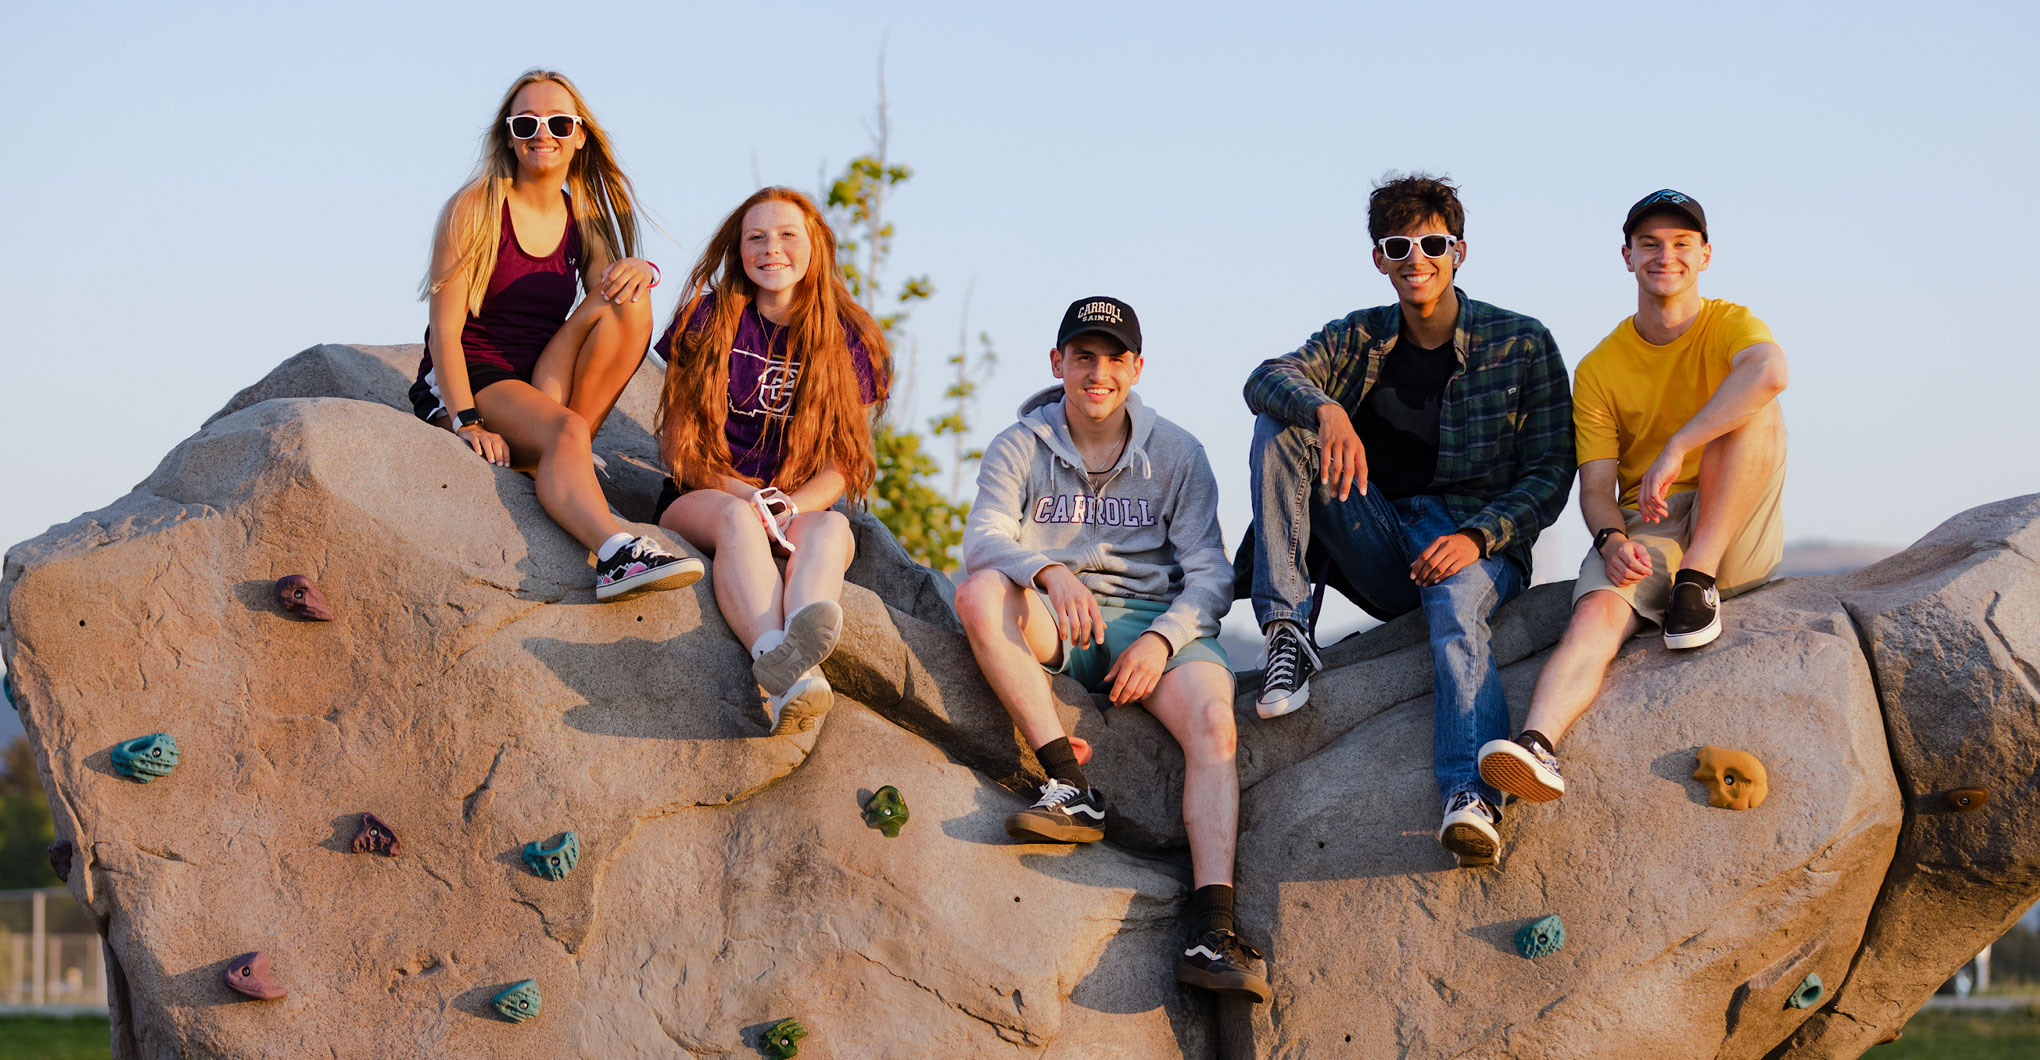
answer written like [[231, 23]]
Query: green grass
[[1969, 1035], [54, 1038]]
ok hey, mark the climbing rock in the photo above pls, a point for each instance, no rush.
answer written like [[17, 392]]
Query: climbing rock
[[1541, 937], [1735, 779], [145, 758], [60, 853], [300, 597], [249, 974], [555, 859], [782, 1039], [886, 811], [375, 837], [519, 1003]]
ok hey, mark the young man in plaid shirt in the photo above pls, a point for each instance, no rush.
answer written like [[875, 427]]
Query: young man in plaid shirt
[[1420, 446]]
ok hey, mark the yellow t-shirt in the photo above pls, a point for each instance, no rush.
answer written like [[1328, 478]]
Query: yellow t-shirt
[[1630, 397]]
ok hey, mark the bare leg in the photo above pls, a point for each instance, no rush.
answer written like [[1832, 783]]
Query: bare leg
[[1734, 470], [823, 546], [593, 355], [1012, 635], [1572, 677], [747, 586], [554, 441], [1194, 702]]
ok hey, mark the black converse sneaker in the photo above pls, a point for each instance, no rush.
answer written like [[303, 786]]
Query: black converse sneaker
[[1695, 615], [1218, 961], [642, 566], [1291, 661], [1522, 767], [1468, 830], [1063, 814]]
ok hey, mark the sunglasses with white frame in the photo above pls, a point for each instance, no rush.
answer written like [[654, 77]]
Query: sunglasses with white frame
[[560, 126], [1435, 245]]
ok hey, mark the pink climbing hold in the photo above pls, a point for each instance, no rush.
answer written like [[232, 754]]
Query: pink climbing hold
[[301, 597], [249, 974]]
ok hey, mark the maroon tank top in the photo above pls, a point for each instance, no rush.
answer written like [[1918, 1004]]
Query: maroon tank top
[[527, 301]]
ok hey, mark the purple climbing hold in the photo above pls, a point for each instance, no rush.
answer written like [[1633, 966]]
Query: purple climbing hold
[[301, 597], [249, 974], [375, 837], [60, 858]]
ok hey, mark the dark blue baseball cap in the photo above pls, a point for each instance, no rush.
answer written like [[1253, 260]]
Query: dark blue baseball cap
[[1666, 201]]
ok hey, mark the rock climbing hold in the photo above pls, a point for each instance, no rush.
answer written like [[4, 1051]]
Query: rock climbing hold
[[556, 860], [1082, 749], [886, 811], [60, 858], [1963, 800], [1735, 779], [1809, 992], [1540, 937], [375, 837], [145, 758], [301, 597], [519, 1002], [249, 974], [782, 1042], [7, 684]]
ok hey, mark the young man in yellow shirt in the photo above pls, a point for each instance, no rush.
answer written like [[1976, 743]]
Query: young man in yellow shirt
[[1681, 450]]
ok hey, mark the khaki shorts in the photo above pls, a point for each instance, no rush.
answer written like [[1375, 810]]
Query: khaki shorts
[[1751, 560]]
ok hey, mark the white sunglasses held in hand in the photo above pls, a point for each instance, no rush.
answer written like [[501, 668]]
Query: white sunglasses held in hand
[[1436, 245], [525, 126]]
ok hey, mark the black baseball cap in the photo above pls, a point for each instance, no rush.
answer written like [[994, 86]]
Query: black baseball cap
[[1666, 201], [1107, 316]]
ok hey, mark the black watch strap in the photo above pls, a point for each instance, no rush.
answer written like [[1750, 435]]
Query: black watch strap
[[1601, 536], [467, 418]]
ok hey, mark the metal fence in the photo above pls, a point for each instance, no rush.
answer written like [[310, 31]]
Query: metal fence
[[49, 953]]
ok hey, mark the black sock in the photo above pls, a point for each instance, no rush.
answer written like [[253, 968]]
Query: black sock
[[1688, 574], [1060, 761], [1530, 735], [1211, 909]]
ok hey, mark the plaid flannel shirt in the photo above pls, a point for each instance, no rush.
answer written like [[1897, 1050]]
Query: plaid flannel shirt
[[1505, 436]]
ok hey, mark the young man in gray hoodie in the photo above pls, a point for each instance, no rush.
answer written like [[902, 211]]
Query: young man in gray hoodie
[[1093, 550]]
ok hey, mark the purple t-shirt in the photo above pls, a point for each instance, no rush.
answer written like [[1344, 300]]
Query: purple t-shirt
[[762, 390]]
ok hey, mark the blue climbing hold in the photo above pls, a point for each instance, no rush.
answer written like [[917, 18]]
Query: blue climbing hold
[[1541, 937], [782, 1042], [886, 811], [554, 861], [1809, 993], [145, 758], [519, 1002]]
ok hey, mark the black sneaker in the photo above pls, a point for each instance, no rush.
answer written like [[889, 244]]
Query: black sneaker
[[1468, 830], [1291, 661], [1217, 961], [1063, 814], [642, 566], [1523, 768], [1695, 615]]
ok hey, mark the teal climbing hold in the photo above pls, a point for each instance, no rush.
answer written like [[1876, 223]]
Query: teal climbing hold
[[145, 758], [1809, 993], [782, 1042], [886, 811], [7, 683], [1541, 937], [519, 1003], [554, 861]]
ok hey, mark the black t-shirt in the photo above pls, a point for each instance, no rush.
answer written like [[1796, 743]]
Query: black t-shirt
[[1398, 420]]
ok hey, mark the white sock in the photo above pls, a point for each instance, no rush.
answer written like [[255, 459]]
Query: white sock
[[616, 540], [767, 641]]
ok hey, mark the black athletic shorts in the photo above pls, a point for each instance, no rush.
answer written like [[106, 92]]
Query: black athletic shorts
[[669, 491], [425, 392]]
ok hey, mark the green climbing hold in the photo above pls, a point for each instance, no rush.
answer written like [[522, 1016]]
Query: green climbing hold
[[556, 860], [145, 758], [519, 1002], [1809, 993], [782, 1042], [886, 811], [1541, 937]]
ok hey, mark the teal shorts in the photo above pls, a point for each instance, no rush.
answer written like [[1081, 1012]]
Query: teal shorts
[[1125, 620]]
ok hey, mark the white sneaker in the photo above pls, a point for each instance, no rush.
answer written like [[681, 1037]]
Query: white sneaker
[[803, 702], [1529, 773], [811, 634], [1468, 830]]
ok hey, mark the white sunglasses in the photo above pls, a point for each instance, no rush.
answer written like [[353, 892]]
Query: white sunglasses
[[1436, 245], [525, 126]]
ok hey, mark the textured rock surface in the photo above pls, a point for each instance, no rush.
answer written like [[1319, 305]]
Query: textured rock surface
[[475, 695]]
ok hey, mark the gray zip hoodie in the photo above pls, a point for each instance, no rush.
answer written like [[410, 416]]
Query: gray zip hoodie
[[1149, 532]]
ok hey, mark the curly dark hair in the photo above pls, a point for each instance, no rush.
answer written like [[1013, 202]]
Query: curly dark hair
[[1402, 200]]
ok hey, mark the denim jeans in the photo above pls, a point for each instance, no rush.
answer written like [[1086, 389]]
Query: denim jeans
[[1374, 541]]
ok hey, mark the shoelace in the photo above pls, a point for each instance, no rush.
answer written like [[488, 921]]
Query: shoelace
[[1055, 793], [1286, 658], [1230, 944], [1462, 800]]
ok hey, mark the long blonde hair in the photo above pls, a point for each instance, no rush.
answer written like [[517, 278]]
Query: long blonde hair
[[603, 202], [829, 423]]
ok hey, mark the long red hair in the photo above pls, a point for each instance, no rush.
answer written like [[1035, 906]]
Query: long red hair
[[829, 424]]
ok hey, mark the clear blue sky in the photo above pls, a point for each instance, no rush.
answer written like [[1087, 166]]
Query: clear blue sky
[[195, 196]]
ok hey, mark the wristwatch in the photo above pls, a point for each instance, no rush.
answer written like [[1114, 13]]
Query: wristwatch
[[467, 418], [1601, 536]]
